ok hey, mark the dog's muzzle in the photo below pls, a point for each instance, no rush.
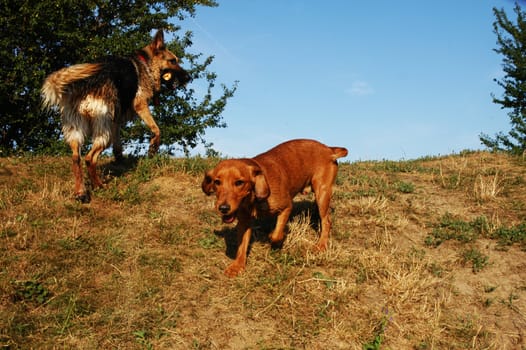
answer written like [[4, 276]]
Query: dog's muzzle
[[226, 216], [174, 78]]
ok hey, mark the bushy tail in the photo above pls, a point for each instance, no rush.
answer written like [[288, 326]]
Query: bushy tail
[[55, 84], [338, 152]]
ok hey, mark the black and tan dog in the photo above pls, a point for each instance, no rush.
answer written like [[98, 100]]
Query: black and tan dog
[[96, 99], [266, 184]]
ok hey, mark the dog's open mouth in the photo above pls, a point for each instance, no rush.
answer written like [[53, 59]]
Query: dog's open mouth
[[228, 219]]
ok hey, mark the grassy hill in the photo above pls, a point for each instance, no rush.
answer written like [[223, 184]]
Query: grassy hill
[[425, 254]]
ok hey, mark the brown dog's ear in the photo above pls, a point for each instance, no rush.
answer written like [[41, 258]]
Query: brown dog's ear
[[158, 41], [208, 184], [261, 188]]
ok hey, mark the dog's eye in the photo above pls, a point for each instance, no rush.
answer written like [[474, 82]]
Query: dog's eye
[[217, 182], [239, 183], [174, 61]]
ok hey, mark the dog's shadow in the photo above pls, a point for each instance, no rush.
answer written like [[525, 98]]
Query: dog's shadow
[[262, 227], [119, 167], [109, 170]]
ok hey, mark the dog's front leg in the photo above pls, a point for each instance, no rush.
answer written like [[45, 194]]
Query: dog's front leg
[[117, 143], [278, 235], [244, 233], [143, 111]]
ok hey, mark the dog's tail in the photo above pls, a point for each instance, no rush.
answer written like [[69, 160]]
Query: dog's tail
[[338, 152], [55, 84]]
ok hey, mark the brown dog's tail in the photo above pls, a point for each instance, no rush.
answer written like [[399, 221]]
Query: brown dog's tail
[[338, 152], [55, 84]]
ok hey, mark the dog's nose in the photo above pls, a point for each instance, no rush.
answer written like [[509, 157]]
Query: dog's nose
[[224, 208]]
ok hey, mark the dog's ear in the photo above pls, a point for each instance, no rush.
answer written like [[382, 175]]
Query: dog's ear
[[158, 41], [261, 188], [208, 183]]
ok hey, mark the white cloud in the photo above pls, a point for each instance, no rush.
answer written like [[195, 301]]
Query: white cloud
[[360, 88]]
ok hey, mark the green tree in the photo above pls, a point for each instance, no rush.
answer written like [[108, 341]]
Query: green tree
[[41, 36], [511, 41]]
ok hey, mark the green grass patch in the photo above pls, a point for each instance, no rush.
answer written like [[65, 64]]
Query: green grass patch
[[476, 258], [32, 290], [405, 187], [507, 236], [453, 228]]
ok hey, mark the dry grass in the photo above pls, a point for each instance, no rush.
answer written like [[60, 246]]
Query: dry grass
[[425, 254]]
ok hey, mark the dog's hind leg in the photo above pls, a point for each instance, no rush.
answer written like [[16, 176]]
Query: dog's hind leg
[[91, 164], [75, 128], [101, 127], [80, 189], [322, 187], [323, 198]]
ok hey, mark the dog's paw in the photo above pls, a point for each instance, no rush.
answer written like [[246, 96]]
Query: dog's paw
[[234, 269], [276, 238], [276, 245], [83, 197], [320, 247]]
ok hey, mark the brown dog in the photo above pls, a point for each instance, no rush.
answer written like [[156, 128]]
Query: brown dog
[[266, 185]]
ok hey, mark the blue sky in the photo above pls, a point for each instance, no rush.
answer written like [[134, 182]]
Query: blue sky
[[386, 79]]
